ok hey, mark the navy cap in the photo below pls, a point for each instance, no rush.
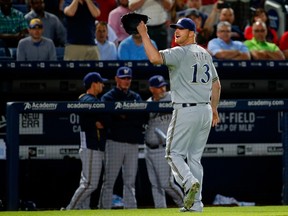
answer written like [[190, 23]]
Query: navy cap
[[124, 72], [92, 77], [157, 81], [185, 23], [192, 12]]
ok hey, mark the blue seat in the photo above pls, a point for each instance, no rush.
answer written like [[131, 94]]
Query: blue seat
[[7, 53], [2, 52], [13, 52], [60, 53]]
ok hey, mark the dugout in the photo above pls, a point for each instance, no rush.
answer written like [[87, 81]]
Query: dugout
[[226, 166]]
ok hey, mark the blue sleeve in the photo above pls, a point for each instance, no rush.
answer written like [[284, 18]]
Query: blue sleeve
[[213, 46], [123, 53]]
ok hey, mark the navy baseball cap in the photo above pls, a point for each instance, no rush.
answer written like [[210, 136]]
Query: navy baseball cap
[[124, 72], [92, 77], [185, 23], [192, 12], [157, 81]]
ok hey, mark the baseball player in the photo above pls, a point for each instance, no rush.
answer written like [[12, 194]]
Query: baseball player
[[92, 144], [159, 172], [195, 94], [125, 133]]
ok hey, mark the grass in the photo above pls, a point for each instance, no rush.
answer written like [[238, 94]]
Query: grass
[[209, 211]]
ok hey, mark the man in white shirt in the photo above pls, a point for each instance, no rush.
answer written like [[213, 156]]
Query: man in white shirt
[[107, 49]]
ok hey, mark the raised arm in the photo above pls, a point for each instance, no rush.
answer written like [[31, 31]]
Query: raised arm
[[71, 9], [152, 53], [94, 10], [233, 54], [135, 4], [211, 19], [267, 55]]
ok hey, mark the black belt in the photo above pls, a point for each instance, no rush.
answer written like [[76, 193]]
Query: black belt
[[191, 104], [154, 146]]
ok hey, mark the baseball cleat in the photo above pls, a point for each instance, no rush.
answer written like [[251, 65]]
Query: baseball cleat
[[183, 209], [190, 196]]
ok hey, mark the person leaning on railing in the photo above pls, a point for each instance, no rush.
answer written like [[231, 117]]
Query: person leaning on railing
[[259, 48]]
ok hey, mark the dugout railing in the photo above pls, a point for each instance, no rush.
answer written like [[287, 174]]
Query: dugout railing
[[245, 106]]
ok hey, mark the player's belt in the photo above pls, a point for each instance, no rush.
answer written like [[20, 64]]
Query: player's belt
[[155, 146], [179, 105], [189, 104]]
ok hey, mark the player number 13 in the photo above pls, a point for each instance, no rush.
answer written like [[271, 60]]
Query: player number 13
[[202, 72]]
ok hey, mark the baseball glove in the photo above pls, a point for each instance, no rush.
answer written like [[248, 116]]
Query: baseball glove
[[131, 20]]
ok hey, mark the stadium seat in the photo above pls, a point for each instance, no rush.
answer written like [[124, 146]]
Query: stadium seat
[[60, 53], [13, 52]]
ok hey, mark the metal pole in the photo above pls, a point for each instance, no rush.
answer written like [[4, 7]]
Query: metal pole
[[12, 138], [285, 158]]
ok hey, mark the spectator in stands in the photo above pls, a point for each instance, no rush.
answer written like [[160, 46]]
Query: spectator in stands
[[225, 14], [124, 135], [157, 25], [242, 12], [80, 18], [261, 14], [107, 49], [259, 48], [13, 25], [207, 6], [111, 33], [132, 48], [202, 36], [36, 47], [92, 144], [114, 19], [197, 4], [54, 29], [283, 44], [106, 6], [224, 48], [178, 6]]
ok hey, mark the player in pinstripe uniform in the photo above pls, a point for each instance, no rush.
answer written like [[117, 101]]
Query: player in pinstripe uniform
[[92, 144], [195, 94], [159, 172]]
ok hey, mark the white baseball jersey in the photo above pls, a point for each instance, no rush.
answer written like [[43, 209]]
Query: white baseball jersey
[[160, 121], [192, 85]]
